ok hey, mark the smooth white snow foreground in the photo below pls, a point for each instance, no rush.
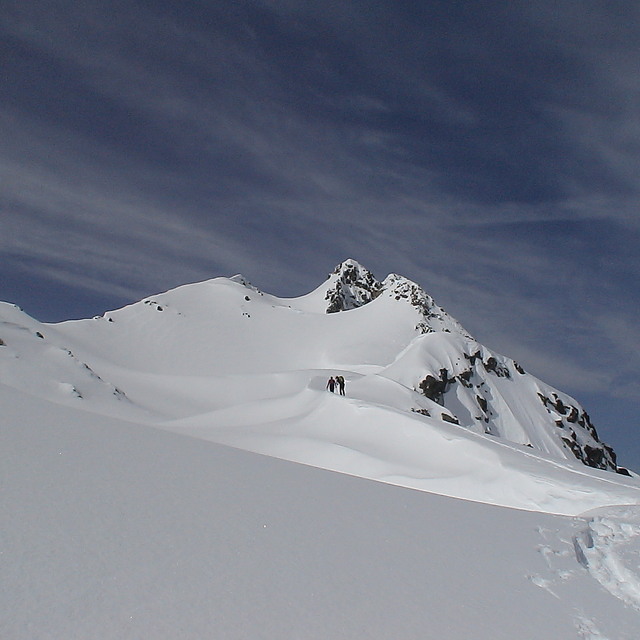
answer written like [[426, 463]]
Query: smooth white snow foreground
[[118, 531]]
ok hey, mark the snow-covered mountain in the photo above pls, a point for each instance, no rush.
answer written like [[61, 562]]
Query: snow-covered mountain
[[224, 361], [426, 407]]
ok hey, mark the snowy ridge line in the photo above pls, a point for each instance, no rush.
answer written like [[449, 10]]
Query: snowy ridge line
[[427, 405], [570, 468], [395, 447]]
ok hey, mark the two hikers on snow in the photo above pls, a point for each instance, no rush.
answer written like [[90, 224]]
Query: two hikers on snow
[[339, 381]]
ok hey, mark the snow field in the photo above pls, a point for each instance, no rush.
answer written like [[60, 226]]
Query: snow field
[[135, 504], [121, 531], [358, 436]]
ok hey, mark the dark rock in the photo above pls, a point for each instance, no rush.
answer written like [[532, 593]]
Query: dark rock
[[573, 445], [573, 415], [545, 401], [354, 288], [432, 388], [559, 405], [435, 388], [465, 378], [472, 359], [493, 366], [423, 328], [612, 454], [594, 457]]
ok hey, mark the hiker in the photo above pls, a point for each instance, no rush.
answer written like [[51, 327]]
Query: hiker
[[331, 385], [340, 381]]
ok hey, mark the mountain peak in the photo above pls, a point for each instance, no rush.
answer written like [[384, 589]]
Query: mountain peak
[[352, 286], [434, 317], [401, 353]]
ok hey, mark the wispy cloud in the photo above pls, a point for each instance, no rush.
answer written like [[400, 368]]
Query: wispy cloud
[[490, 154]]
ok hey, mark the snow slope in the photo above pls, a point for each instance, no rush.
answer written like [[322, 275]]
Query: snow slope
[[116, 530], [127, 513], [427, 406]]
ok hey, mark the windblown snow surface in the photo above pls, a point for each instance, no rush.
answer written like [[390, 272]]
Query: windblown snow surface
[[152, 485]]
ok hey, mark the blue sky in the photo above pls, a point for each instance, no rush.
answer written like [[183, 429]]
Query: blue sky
[[489, 151]]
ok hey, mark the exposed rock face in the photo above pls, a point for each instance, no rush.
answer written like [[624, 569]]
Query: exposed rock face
[[433, 317], [499, 369], [435, 388], [579, 434], [353, 287], [472, 397]]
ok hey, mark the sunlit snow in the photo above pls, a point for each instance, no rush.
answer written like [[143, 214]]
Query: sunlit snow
[[126, 518]]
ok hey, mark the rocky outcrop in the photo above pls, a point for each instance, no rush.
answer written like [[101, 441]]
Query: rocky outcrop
[[353, 287], [492, 365], [475, 391], [434, 318], [579, 434], [435, 388]]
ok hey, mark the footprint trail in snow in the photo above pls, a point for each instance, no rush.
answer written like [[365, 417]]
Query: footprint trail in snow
[[608, 547]]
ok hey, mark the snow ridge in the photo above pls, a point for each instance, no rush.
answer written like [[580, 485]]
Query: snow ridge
[[427, 406]]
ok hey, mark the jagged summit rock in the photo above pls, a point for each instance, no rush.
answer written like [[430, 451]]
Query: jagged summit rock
[[351, 286], [434, 317]]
